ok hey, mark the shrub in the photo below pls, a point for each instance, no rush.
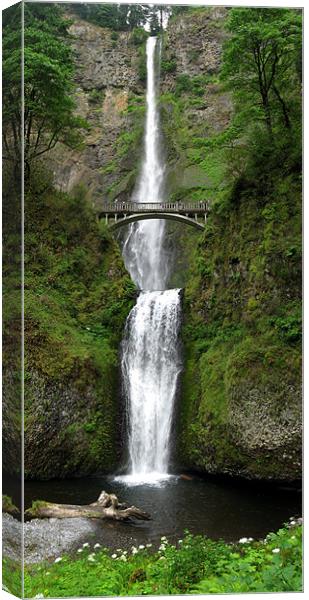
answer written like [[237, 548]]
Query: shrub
[[168, 66], [139, 36]]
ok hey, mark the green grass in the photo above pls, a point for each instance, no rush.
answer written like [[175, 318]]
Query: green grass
[[12, 577], [195, 565]]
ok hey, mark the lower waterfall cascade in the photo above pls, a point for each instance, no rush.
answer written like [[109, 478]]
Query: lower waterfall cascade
[[150, 366]]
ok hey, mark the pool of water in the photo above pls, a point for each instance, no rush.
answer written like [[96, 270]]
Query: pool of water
[[217, 509]]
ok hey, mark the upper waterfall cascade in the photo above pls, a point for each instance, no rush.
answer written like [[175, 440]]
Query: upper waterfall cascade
[[150, 348], [143, 249]]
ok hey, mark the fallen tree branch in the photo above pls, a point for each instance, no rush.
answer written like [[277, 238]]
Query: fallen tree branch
[[106, 506]]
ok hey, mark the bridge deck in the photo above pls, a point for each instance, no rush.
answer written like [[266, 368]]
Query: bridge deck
[[129, 208]]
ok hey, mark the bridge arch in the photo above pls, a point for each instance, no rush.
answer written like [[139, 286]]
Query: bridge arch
[[126, 220]]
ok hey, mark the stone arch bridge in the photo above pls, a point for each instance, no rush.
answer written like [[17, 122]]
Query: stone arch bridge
[[118, 214]]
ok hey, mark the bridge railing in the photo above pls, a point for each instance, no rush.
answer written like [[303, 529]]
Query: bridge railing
[[138, 207]]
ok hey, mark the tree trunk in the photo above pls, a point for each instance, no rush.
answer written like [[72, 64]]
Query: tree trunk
[[106, 506], [284, 108]]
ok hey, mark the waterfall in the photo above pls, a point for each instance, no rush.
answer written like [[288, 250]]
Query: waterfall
[[143, 249], [150, 366], [150, 348]]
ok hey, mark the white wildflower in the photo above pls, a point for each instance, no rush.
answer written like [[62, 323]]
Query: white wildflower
[[47, 573], [276, 550], [114, 555], [80, 550], [293, 537], [141, 547], [243, 540], [39, 596], [163, 538], [148, 545], [58, 559], [123, 557], [134, 550], [97, 545], [293, 523], [118, 550], [162, 547], [86, 545], [250, 539], [180, 541], [162, 558], [91, 558]]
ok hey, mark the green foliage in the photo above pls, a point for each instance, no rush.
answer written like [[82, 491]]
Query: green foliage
[[12, 576], [289, 326], [276, 567], [196, 565], [138, 36], [259, 67], [142, 66], [77, 297], [121, 17], [195, 86], [168, 66], [48, 84]]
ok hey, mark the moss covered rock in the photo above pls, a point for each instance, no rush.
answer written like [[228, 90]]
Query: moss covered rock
[[241, 406], [77, 297]]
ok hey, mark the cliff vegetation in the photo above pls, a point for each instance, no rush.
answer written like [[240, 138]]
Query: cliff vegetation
[[233, 129]]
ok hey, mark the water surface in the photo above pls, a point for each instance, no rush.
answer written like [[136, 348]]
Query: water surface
[[215, 509]]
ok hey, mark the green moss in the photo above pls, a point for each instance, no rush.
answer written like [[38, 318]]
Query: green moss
[[8, 506], [242, 336]]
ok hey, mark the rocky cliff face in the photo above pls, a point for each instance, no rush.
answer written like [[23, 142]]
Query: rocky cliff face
[[194, 105], [108, 87]]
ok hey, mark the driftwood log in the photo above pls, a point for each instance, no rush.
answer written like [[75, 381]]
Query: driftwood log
[[106, 506]]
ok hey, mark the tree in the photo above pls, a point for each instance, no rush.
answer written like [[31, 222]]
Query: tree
[[48, 85], [120, 17], [260, 59]]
